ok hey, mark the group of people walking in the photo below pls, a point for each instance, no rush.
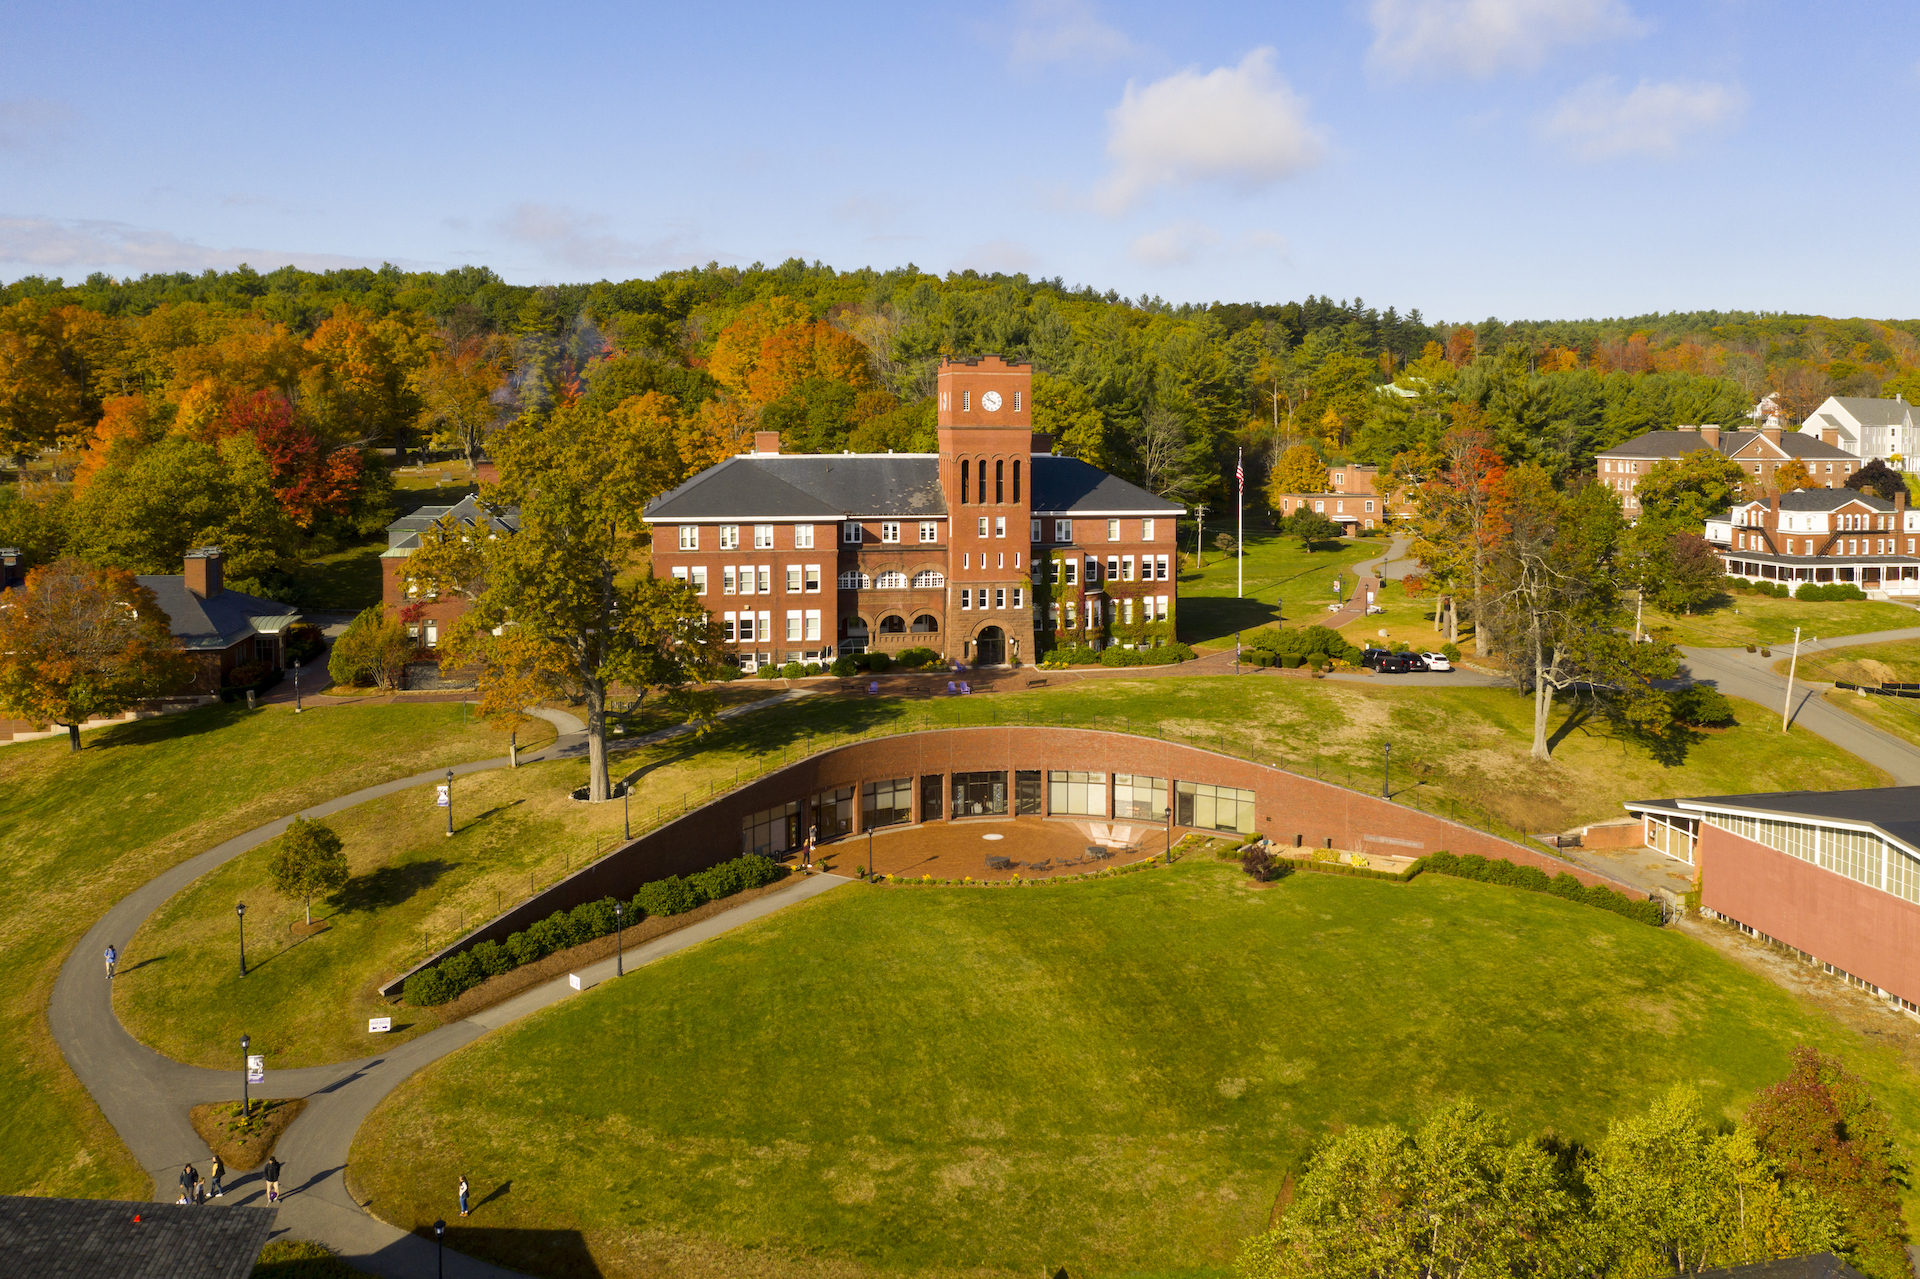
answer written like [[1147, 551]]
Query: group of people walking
[[194, 1190]]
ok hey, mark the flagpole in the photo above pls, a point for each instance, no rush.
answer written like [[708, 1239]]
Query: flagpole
[[1240, 539]]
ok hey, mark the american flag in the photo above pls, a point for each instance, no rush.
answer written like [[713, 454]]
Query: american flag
[[1240, 472]]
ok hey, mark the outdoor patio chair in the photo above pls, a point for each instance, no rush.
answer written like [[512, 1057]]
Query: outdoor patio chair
[[951, 690], [874, 687], [965, 687]]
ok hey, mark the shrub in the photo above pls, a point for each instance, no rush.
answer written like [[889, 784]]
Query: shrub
[[1450, 651], [300, 1259], [1698, 705], [1532, 879], [844, 667], [493, 958], [728, 673], [1257, 862], [523, 948], [878, 663], [768, 671], [1833, 591], [814, 668], [916, 658], [669, 896], [549, 934], [426, 988], [793, 670], [592, 919]]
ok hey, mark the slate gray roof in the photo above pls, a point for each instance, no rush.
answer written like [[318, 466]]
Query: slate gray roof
[[1874, 412], [1681, 443], [1821, 500], [403, 535], [1892, 810], [832, 486], [224, 620], [98, 1239], [1067, 486]]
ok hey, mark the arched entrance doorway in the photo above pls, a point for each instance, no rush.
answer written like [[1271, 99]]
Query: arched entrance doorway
[[990, 647]]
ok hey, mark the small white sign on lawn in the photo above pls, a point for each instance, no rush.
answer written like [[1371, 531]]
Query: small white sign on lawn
[[573, 980], [379, 1025]]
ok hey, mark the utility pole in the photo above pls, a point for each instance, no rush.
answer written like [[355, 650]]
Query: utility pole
[[1786, 708], [1240, 537], [1199, 536]]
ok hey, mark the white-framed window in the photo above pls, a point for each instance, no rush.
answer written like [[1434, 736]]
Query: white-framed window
[[433, 634], [1073, 615], [1063, 530], [1000, 597], [1093, 569], [1160, 607], [929, 531], [1113, 530], [929, 579], [892, 580], [999, 526], [1093, 612], [1036, 532], [1339, 477], [1126, 568], [746, 628], [1016, 401], [746, 579], [1053, 617], [1146, 530], [729, 537], [1369, 508], [813, 579], [727, 581], [1126, 611], [980, 527], [728, 626], [966, 401], [766, 631], [1161, 567], [699, 579], [1320, 507], [679, 575], [1072, 566], [803, 537], [763, 537], [1016, 559], [1113, 568], [854, 580], [1019, 595], [765, 575], [793, 579], [966, 597], [1340, 508], [689, 537], [851, 532], [889, 531], [794, 625], [813, 624]]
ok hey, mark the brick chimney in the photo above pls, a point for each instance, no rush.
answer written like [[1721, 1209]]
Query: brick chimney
[[1042, 442], [1772, 431], [203, 571], [1686, 427], [1710, 435], [766, 441], [1830, 435], [1773, 514]]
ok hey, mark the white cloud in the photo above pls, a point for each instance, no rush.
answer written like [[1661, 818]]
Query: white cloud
[[1479, 38], [1599, 122], [1176, 245], [567, 237], [65, 243], [1242, 126], [1052, 31], [32, 122]]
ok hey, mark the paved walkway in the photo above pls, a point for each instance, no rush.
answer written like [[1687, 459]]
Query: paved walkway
[[146, 1096], [1742, 674]]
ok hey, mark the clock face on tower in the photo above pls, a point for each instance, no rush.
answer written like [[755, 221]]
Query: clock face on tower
[[990, 401]]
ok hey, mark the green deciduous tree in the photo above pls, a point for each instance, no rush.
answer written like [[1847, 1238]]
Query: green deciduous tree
[[1309, 526], [572, 580], [374, 649], [80, 643], [1691, 490], [309, 862]]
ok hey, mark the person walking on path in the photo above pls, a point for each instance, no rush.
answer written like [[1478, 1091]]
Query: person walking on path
[[189, 1184], [806, 857], [113, 958], [463, 1194], [215, 1171], [270, 1173]]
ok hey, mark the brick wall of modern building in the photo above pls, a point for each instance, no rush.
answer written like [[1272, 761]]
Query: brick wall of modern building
[[1864, 931], [1286, 806]]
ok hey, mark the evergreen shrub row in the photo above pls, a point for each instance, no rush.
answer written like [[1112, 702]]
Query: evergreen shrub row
[[1830, 591], [1534, 880], [674, 895]]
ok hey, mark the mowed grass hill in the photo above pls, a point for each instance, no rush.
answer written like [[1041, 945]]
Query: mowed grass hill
[[1114, 1076]]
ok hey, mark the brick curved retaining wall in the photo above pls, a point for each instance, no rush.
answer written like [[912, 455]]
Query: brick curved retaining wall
[[1285, 805]]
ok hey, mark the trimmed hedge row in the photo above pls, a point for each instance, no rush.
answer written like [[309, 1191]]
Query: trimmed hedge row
[[1284, 866], [1833, 591], [1534, 880], [564, 929]]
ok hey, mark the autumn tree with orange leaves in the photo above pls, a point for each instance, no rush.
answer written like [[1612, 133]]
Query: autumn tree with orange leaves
[[80, 643], [1456, 523]]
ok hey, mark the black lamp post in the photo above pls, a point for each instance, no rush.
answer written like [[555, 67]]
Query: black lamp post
[[296, 687], [619, 942], [449, 801], [440, 1250], [1386, 774], [246, 1101], [240, 913]]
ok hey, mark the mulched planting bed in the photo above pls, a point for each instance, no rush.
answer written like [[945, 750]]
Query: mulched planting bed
[[241, 1146]]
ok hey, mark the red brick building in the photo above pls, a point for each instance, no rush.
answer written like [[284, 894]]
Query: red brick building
[[989, 552], [433, 615], [1356, 497], [1833, 875], [1824, 535]]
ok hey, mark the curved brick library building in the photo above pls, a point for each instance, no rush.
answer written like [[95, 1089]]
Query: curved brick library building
[[957, 776]]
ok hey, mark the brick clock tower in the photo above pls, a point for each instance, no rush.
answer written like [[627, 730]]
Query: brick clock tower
[[986, 472]]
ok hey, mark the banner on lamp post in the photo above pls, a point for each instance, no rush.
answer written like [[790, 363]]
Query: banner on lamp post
[[445, 800], [256, 1069]]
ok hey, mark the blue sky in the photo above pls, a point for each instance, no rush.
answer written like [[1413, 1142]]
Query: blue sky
[[1519, 158]]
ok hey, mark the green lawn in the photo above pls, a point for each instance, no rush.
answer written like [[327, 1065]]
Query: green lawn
[[1281, 580], [1760, 619], [1113, 1077], [416, 890], [1897, 715], [1897, 662], [81, 831]]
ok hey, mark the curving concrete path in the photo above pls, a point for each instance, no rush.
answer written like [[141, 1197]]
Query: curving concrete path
[[146, 1096]]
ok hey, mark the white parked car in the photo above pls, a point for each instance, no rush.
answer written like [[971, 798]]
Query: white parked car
[[1437, 662]]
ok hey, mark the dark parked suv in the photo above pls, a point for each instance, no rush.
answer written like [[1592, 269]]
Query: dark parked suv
[[1370, 657], [1400, 663]]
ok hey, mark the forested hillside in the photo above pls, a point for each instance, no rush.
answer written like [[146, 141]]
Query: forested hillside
[[246, 408]]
